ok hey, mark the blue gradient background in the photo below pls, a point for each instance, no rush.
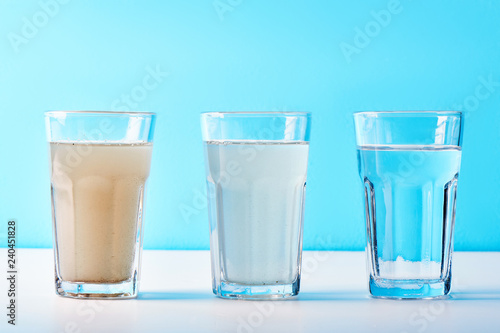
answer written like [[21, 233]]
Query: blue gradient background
[[259, 55]]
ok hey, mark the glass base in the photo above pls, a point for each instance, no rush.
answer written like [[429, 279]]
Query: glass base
[[121, 290], [257, 292], [409, 289]]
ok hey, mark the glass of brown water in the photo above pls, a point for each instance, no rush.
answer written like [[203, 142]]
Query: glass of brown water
[[100, 163]]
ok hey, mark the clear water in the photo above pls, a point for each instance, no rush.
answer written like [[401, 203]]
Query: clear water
[[256, 194], [410, 196]]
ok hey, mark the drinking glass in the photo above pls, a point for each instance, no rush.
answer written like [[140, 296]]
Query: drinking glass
[[100, 162], [409, 164], [256, 166]]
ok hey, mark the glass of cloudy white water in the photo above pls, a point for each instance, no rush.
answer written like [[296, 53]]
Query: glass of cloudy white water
[[256, 167], [100, 162]]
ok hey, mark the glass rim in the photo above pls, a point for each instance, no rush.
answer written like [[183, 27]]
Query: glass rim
[[98, 113], [409, 112], [221, 114]]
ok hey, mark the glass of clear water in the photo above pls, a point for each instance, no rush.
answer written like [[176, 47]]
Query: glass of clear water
[[256, 166], [409, 164]]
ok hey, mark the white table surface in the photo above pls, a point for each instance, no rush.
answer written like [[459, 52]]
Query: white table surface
[[175, 296]]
